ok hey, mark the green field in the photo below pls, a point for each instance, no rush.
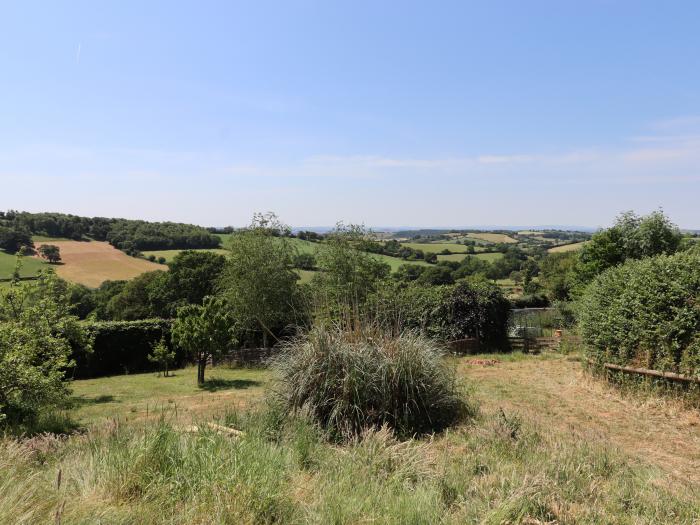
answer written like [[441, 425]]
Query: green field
[[436, 247], [30, 265], [170, 254], [458, 257]]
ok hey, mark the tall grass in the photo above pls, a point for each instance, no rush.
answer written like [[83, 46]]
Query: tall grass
[[498, 469], [351, 380]]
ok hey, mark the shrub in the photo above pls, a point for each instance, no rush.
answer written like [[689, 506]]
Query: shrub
[[36, 332], [121, 347], [349, 381], [469, 309], [647, 313]]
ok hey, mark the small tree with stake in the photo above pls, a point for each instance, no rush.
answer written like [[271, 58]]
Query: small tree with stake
[[163, 356], [204, 331]]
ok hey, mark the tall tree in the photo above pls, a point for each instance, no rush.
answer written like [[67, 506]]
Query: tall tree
[[259, 281]]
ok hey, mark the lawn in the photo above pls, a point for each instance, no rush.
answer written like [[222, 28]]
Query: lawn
[[567, 247], [135, 396], [30, 265]]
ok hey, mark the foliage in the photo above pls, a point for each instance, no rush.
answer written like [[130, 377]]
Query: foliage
[[468, 309], [631, 237], [139, 298], [13, 239], [646, 312], [555, 275], [120, 347], [50, 252], [204, 331], [348, 381], [259, 281], [36, 333], [128, 235], [347, 273], [163, 356]]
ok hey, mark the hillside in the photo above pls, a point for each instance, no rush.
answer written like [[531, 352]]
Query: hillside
[[91, 263]]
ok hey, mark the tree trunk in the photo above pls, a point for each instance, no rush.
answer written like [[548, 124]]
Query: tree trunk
[[200, 369]]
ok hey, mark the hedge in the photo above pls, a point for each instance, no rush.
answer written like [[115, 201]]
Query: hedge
[[449, 312], [646, 313], [122, 347]]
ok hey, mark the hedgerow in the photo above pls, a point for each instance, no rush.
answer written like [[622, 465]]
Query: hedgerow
[[646, 313]]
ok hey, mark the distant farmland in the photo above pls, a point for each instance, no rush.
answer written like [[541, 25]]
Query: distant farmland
[[492, 237], [458, 257], [91, 263], [567, 247], [436, 247], [169, 255]]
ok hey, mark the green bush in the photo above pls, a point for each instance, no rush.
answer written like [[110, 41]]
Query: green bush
[[469, 309], [646, 313], [122, 347], [348, 381]]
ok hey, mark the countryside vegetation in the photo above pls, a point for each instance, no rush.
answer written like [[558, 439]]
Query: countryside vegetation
[[172, 373]]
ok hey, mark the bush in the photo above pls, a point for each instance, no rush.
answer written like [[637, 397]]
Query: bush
[[646, 313], [122, 347], [351, 381], [469, 309]]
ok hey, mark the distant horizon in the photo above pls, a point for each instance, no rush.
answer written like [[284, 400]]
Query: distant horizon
[[375, 227]]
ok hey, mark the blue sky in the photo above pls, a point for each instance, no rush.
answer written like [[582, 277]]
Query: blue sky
[[386, 113]]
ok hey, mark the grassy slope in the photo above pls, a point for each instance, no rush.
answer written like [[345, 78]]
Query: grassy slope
[[567, 247], [436, 247], [492, 237], [562, 449], [170, 254], [458, 257], [30, 265]]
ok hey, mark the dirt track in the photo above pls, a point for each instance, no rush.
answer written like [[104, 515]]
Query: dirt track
[[557, 393]]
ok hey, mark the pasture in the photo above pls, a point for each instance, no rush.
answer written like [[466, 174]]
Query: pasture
[[567, 247], [30, 265], [93, 262], [169, 255], [436, 247], [492, 237]]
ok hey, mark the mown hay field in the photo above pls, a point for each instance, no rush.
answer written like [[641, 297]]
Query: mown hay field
[[567, 247], [492, 237], [93, 262]]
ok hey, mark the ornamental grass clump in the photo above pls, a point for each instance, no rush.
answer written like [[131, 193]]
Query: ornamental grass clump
[[348, 381]]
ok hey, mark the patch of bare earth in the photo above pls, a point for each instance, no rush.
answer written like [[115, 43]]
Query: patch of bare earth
[[558, 394], [91, 263]]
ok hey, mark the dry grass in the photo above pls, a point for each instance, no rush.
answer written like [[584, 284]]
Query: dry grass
[[91, 263], [567, 247], [492, 237], [558, 394]]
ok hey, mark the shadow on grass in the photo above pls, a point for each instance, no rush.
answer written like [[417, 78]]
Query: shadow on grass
[[215, 384], [80, 401]]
